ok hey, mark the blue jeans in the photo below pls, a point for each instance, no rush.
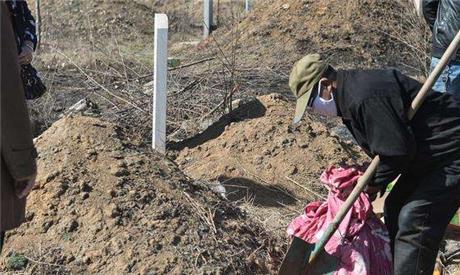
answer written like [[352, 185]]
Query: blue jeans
[[449, 80]]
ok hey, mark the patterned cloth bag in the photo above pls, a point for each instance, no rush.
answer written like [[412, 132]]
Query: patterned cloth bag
[[33, 85]]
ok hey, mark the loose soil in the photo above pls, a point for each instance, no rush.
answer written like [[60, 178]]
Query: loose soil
[[355, 33], [103, 206], [106, 204], [268, 167], [271, 169]]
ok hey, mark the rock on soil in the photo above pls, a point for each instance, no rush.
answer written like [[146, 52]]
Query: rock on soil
[[104, 206], [266, 165]]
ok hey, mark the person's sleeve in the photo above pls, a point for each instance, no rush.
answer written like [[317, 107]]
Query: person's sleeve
[[17, 148], [387, 131], [30, 32], [430, 10]]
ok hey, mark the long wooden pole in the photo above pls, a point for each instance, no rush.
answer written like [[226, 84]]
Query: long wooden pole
[[367, 176]]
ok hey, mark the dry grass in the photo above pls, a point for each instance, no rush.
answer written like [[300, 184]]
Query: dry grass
[[112, 67], [108, 59]]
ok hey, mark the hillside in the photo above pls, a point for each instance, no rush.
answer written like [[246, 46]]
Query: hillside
[[369, 33]]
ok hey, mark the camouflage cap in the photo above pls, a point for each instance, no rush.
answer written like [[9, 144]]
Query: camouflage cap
[[305, 74]]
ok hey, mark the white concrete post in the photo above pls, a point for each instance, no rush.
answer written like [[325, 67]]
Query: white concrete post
[[160, 69], [207, 18], [248, 6]]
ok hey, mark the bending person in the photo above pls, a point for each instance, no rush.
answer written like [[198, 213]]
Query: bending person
[[373, 104]]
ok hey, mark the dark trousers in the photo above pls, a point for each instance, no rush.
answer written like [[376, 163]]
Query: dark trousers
[[417, 212], [2, 240]]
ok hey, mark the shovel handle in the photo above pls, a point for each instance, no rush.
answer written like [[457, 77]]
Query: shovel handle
[[367, 176], [445, 59]]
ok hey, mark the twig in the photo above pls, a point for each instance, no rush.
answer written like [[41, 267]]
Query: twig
[[255, 251], [229, 95], [191, 64], [306, 189], [291, 209], [179, 67], [206, 216], [452, 254], [221, 52], [189, 86], [42, 263], [405, 43], [101, 86], [269, 184], [122, 60], [108, 100]]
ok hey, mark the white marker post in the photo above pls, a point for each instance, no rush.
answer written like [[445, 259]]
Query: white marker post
[[248, 6], [207, 18], [160, 69]]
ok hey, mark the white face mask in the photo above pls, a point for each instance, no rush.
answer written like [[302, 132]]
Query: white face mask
[[324, 107]]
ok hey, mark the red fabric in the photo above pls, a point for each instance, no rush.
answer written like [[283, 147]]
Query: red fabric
[[361, 241]]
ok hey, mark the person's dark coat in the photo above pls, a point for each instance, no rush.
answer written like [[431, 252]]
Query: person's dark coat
[[443, 17], [373, 105], [23, 23], [17, 149]]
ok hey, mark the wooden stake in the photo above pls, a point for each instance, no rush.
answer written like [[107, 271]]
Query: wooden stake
[[248, 5], [207, 18], [160, 68]]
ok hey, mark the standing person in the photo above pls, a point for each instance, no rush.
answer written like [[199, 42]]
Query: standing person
[[373, 104], [443, 17], [17, 163], [24, 30]]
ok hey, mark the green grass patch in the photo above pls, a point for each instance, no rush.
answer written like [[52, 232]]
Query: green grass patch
[[17, 262]]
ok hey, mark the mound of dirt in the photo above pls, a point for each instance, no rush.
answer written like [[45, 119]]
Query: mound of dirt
[[269, 167], [369, 33], [103, 206]]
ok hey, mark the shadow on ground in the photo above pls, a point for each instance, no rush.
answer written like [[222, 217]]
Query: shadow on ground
[[244, 189], [250, 110]]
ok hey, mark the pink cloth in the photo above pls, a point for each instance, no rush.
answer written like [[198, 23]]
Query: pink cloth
[[361, 242]]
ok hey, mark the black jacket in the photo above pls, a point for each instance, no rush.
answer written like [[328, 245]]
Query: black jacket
[[373, 105], [443, 16], [23, 22]]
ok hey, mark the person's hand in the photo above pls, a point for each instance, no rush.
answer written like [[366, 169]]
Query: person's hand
[[23, 187], [27, 53], [373, 191]]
